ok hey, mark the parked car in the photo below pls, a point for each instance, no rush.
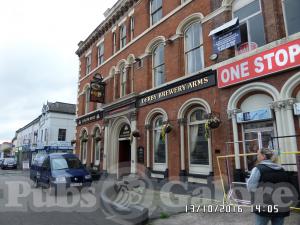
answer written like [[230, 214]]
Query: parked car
[[9, 163], [59, 170]]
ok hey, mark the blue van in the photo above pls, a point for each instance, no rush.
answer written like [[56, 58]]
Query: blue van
[[59, 169]]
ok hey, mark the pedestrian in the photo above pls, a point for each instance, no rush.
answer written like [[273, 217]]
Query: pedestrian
[[268, 174]]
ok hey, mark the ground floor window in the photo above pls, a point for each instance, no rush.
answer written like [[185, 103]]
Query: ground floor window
[[198, 143], [159, 144]]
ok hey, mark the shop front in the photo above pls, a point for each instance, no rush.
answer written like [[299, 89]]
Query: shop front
[[261, 111]]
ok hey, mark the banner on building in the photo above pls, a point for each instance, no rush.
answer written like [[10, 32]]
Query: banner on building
[[280, 58]]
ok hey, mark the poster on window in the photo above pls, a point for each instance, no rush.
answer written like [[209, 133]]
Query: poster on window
[[222, 41]]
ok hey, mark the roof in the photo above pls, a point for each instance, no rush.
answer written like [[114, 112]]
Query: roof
[[57, 107], [61, 107], [29, 124]]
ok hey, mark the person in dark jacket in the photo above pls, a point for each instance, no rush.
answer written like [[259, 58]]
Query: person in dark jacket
[[270, 185]]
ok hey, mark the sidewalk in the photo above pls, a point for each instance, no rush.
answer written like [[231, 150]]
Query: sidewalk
[[245, 218]]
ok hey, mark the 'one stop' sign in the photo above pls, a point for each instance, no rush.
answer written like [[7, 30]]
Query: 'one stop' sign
[[277, 59]]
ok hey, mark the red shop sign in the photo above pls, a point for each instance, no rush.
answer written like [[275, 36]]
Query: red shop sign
[[277, 59]]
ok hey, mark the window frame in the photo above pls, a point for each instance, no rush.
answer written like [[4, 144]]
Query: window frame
[[198, 168], [114, 42], [245, 20], [123, 85], [283, 3], [156, 11], [87, 100], [201, 47], [97, 162], [84, 148], [159, 166], [123, 36], [59, 134], [161, 64], [99, 55], [132, 26], [88, 61]]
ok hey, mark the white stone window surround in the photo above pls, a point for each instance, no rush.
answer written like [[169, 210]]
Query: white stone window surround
[[196, 168]]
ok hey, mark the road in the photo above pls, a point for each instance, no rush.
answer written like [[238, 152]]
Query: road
[[32, 212]]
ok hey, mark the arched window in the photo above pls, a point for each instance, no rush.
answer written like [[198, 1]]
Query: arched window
[[193, 48], [83, 146], [155, 11], [198, 142], [158, 65], [159, 145], [123, 80], [97, 146], [122, 36]]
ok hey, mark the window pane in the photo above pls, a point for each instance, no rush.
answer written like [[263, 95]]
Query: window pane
[[292, 8], [159, 148], [257, 32], [159, 75], [194, 61], [247, 10], [198, 115], [198, 145], [97, 150]]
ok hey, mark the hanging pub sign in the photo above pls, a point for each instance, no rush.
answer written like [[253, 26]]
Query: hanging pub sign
[[97, 90], [125, 131], [226, 36]]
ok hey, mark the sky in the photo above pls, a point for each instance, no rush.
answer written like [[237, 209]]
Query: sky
[[38, 40]]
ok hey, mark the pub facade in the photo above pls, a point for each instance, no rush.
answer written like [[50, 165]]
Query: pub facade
[[194, 80]]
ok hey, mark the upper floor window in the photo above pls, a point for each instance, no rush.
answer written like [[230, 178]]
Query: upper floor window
[[131, 27], [86, 100], [193, 48], [100, 53], [158, 65], [114, 42], [251, 25], [88, 60], [123, 36], [292, 16], [123, 80], [156, 11], [62, 134]]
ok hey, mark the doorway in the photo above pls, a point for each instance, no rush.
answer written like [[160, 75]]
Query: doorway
[[124, 158]]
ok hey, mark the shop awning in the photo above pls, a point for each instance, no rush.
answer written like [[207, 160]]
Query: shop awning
[[225, 26]]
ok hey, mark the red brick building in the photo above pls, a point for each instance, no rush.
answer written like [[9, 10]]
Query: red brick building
[[171, 66]]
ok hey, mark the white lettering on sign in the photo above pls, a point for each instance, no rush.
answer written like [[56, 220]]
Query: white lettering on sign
[[274, 60]]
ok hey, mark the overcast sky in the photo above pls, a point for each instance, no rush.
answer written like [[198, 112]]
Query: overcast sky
[[38, 40]]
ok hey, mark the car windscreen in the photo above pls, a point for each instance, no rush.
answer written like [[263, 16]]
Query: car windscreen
[[9, 160], [62, 163]]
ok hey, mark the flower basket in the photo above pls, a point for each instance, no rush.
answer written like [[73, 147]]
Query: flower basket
[[212, 123]]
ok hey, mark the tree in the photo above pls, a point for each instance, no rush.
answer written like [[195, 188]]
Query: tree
[[7, 151]]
